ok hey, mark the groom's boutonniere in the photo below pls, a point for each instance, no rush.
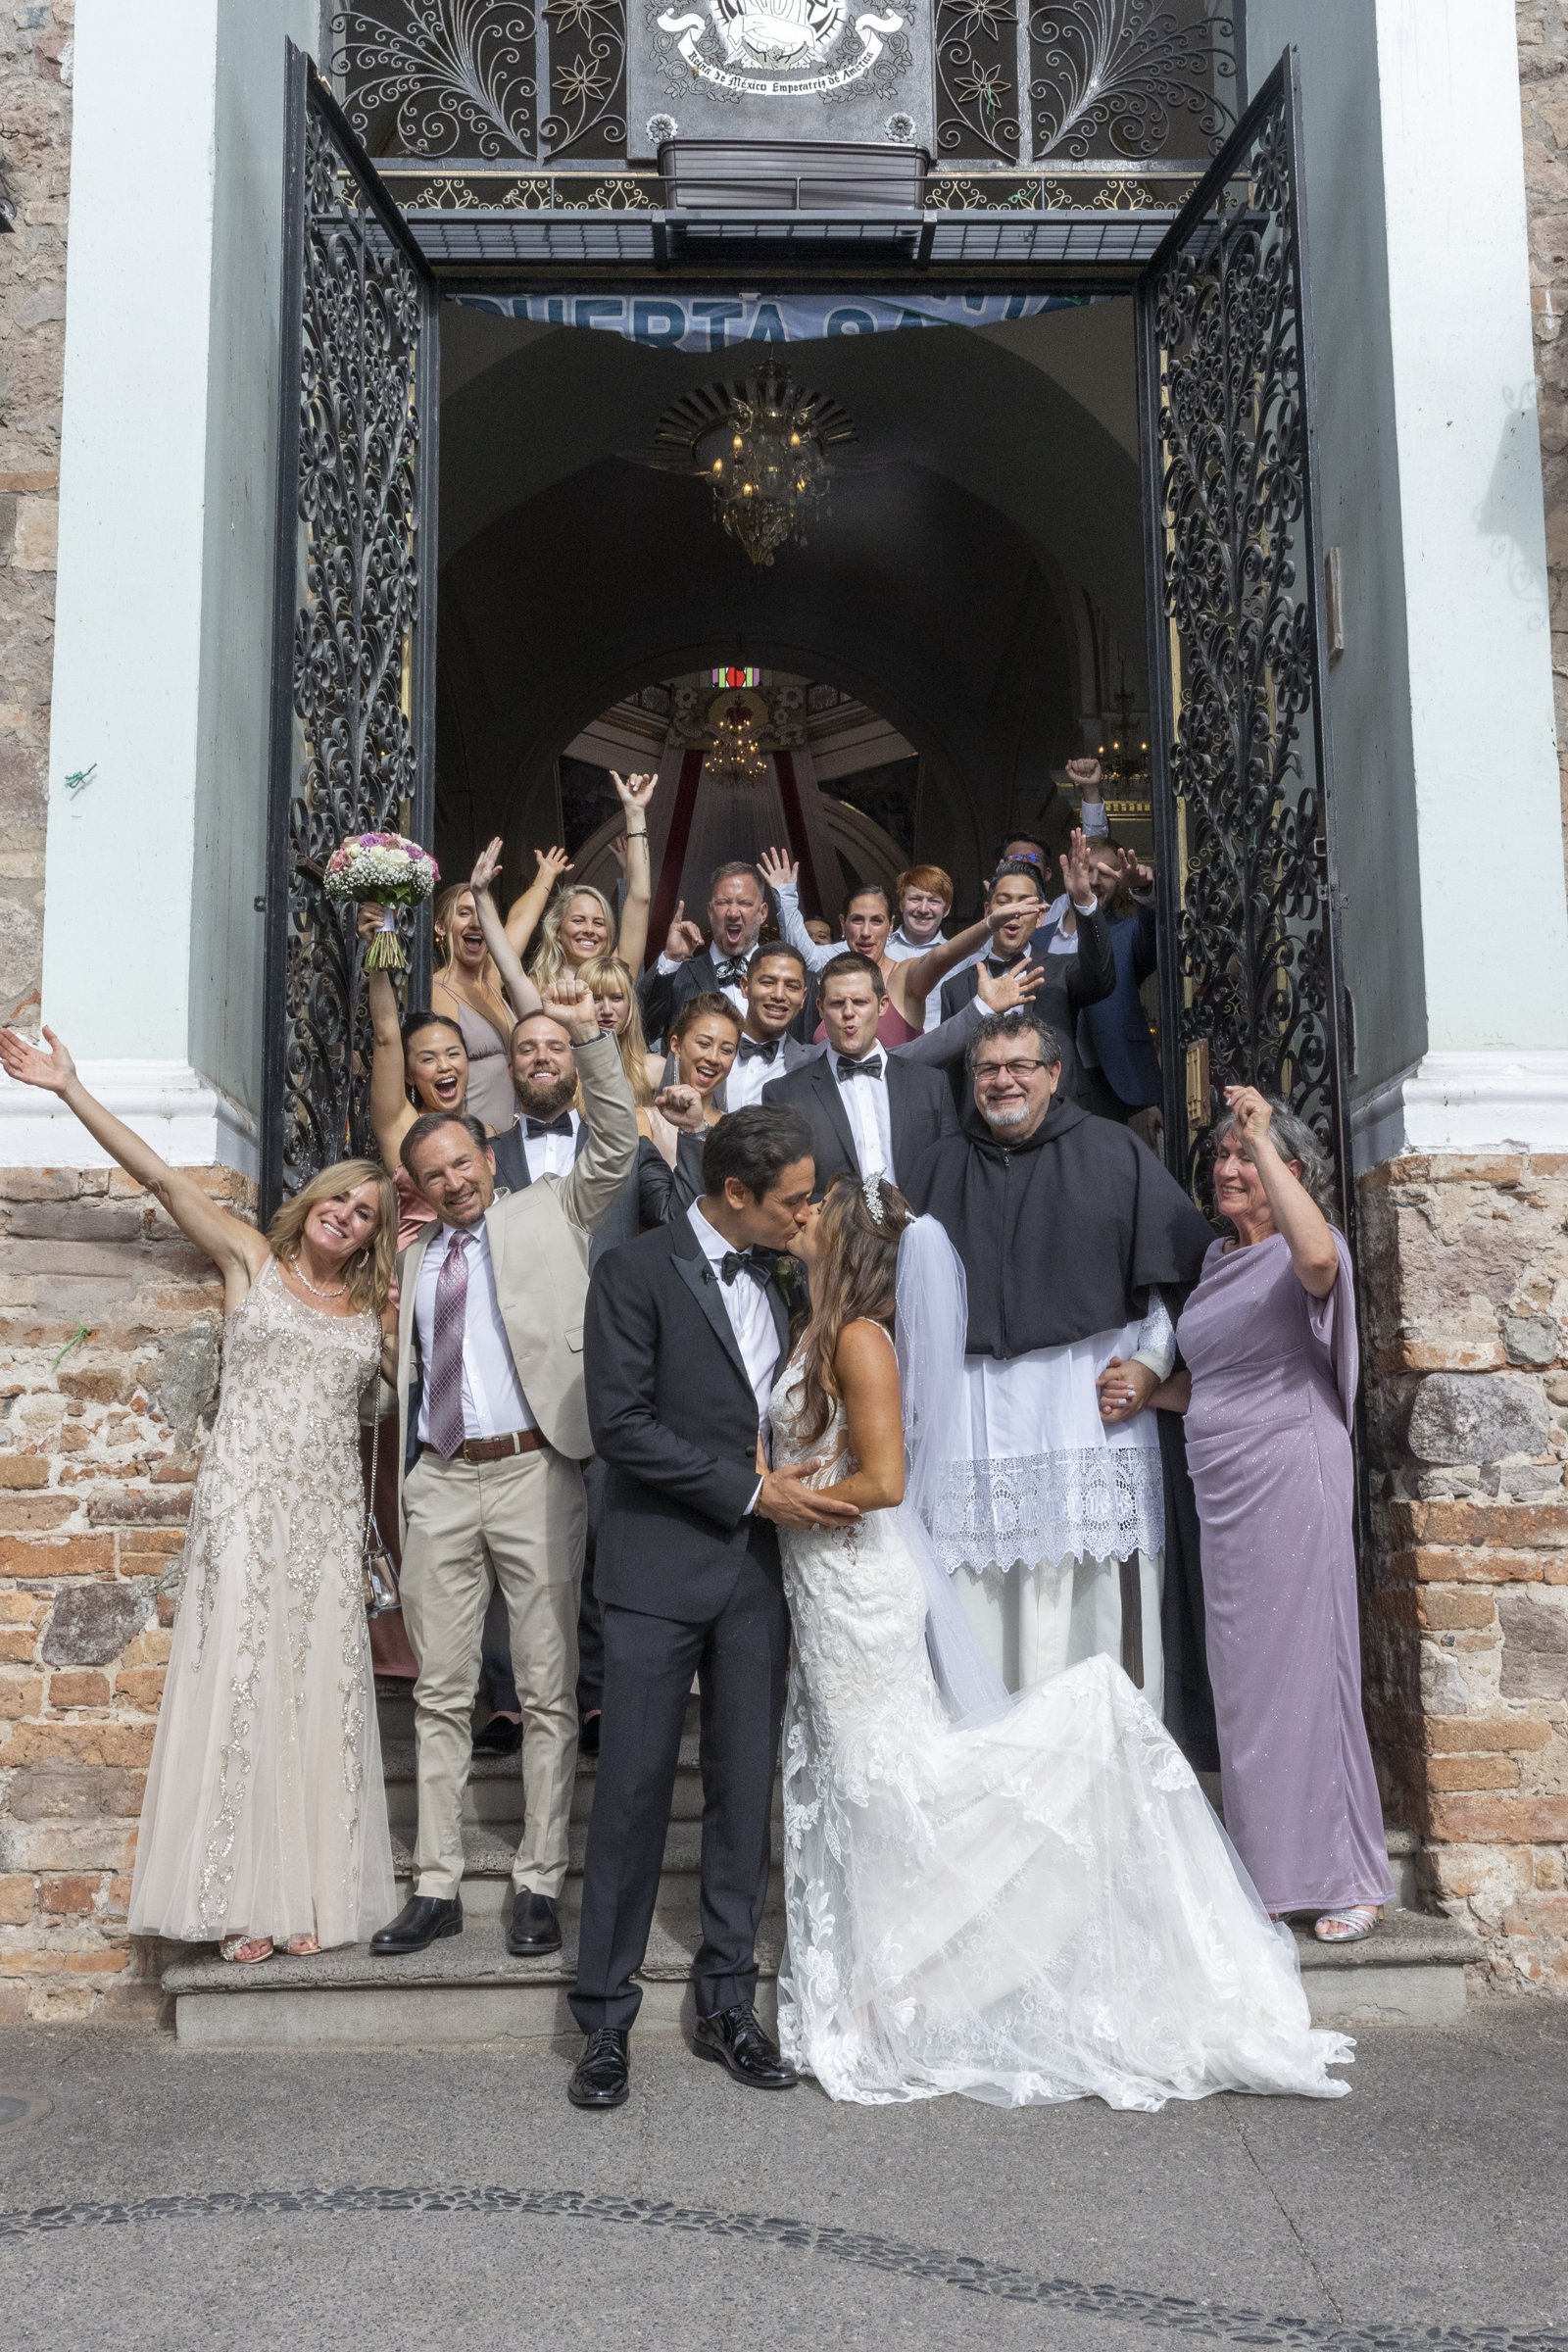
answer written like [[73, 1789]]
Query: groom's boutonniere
[[790, 1275]]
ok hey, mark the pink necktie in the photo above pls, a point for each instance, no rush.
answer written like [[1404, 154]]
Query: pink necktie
[[446, 1347]]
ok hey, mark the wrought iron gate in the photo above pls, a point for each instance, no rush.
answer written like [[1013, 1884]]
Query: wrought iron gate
[[354, 637], [1237, 662]]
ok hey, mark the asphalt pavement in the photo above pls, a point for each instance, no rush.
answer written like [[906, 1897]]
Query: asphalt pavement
[[152, 2196]]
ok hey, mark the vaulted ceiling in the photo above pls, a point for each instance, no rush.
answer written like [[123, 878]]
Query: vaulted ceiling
[[992, 504]]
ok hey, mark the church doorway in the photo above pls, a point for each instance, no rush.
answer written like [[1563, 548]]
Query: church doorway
[[1078, 521]]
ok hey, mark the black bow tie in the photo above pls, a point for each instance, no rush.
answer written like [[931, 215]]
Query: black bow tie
[[560, 1126], [742, 1261], [870, 1067], [760, 1048], [999, 967], [730, 970]]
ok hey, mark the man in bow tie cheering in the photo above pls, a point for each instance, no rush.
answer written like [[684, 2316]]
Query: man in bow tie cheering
[[495, 1428], [775, 996], [737, 909], [686, 1329], [871, 1112]]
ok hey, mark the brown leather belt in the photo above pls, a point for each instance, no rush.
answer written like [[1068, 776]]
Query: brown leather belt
[[496, 1450]]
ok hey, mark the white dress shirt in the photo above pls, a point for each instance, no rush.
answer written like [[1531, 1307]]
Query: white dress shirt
[[493, 1402], [549, 1154], [749, 1073], [751, 1315], [865, 1106]]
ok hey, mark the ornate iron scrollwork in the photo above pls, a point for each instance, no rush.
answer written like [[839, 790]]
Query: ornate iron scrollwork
[[350, 751], [485, 80], [1237, 667], [1119, 77], [977, 78]]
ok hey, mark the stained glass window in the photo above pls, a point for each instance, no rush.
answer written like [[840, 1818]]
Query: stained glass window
[[735, 676]]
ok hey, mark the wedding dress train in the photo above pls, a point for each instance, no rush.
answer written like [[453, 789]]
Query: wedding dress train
[[1032, 1906]]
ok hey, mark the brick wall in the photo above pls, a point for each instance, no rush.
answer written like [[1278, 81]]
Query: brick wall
[[36, 156], [108, 1332], [1465, 1331]]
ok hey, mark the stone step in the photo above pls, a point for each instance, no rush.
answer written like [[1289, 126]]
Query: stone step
[[469, 1987], [488, 1854], [493, 1797]]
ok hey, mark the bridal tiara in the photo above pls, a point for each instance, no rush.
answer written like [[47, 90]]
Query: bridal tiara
[[871, 1192]]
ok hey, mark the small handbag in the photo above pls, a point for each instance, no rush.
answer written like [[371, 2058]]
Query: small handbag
[[379, 1574]]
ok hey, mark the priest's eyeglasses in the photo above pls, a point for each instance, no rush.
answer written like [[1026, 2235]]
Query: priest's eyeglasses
[[1009, 1070]]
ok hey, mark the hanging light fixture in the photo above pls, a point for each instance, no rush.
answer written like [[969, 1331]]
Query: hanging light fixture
[[737, 756], [763, 447]]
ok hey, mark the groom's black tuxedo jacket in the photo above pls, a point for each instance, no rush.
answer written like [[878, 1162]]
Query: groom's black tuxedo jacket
[[674, 1422]]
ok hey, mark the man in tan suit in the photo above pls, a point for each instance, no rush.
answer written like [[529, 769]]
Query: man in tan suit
[[492, 1416]]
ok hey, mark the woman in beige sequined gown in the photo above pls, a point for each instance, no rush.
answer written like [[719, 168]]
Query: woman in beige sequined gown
[[264, 1823]]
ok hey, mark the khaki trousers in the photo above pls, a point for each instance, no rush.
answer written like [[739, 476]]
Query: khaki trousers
[[518, 1524]]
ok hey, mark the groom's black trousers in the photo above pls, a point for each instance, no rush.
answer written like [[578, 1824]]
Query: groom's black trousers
[[741, 1658]]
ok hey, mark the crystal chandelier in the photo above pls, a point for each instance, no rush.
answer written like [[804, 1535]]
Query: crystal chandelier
[[737, 755], [763, 447]]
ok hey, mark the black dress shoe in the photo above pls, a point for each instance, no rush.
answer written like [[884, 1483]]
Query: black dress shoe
[[501, 1737], [588, 1733], [736, 2039], [423, 1920], [602, 2076], [534, 1927]]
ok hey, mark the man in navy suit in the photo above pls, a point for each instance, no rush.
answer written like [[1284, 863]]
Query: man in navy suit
[[1117, 1052], [1069, 982], [871, 1112]]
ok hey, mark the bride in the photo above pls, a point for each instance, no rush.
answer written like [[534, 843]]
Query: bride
[[1020, 1899]]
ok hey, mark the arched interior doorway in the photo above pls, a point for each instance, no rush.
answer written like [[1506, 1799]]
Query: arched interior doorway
[[976, 583]]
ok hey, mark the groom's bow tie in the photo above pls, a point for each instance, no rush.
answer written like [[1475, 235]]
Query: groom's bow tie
[[743, 1262], [560, 1126], [760, 1048]]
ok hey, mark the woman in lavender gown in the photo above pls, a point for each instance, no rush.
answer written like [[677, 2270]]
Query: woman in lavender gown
[[1269, 1339]]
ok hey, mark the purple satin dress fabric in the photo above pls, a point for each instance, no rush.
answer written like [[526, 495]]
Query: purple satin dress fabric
[[1274, 1375]]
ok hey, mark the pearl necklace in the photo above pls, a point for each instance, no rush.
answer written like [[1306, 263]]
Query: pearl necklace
[[300, 1276]]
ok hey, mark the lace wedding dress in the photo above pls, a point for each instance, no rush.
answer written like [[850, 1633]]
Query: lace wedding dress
[[1036, 1905], [266, 1810]]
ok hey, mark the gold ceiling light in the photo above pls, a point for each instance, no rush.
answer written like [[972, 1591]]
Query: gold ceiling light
[[737, 756], [763, 447]]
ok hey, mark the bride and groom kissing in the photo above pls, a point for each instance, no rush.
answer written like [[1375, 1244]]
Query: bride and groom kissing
[[1023, 1900]]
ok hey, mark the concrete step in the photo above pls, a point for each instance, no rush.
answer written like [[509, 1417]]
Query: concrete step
[[494, 1795], [488, 1854], [1410, 1971], [467, 1989]]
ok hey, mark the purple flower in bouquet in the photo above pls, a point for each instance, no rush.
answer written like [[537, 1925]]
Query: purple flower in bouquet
[[383, 869]]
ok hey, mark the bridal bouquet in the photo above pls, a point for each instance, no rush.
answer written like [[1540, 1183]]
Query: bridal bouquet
[[388, 871]]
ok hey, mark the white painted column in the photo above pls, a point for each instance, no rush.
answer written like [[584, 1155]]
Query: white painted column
[[163, 617]]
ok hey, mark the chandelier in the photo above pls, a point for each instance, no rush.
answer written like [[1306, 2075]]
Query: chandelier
[[737, 756], [763, 447]]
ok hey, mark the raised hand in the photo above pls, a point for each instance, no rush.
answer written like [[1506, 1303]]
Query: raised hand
[[1077, 868], [635, 791], [567, 1002], [1017, 985], [1131, 871], [998, 918], [778, 870], [682, 1107], [684, 939], [370, 919], [1084, 775], [29, 1065], [552, 864], [617, 850], [1253, 1113], [486, 867]]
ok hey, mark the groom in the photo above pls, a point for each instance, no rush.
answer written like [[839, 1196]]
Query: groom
[[684, 1334]]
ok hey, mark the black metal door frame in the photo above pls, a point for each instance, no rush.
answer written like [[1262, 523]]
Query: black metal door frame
[[1245, 857], [354, 594]]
